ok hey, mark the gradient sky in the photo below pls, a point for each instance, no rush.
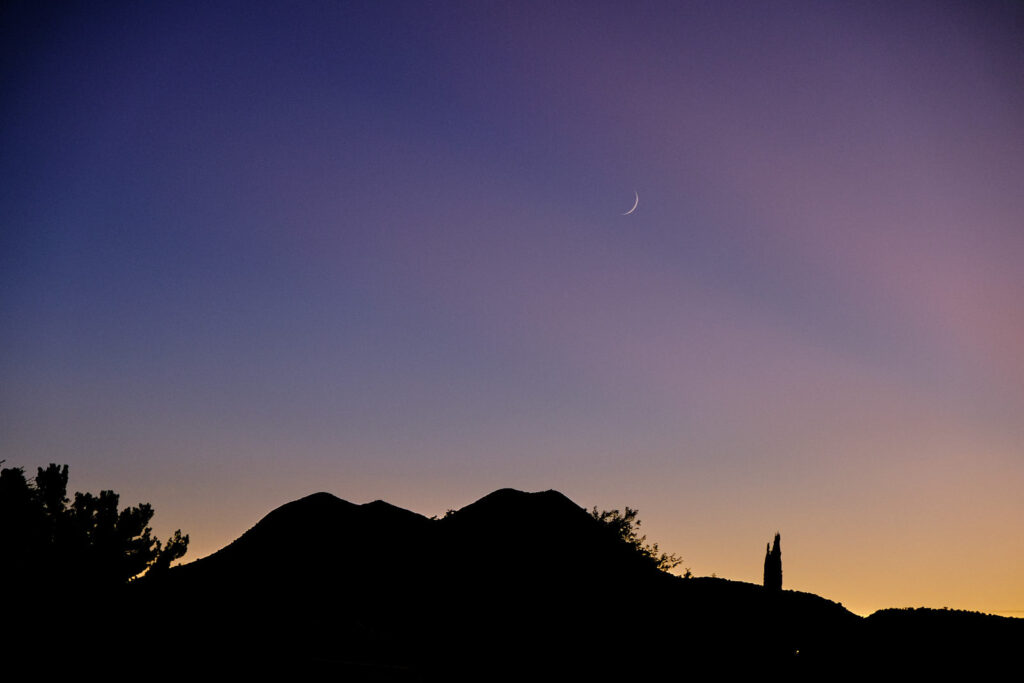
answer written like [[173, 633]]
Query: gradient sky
[[250, 251]]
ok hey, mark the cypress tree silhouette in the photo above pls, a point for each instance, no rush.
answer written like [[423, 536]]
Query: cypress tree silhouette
[[773, 566]]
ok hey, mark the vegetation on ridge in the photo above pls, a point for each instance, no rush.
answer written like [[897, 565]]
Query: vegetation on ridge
[[625, 526], [86, 541]]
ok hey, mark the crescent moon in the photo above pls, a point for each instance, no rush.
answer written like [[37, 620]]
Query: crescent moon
[[635, 204]]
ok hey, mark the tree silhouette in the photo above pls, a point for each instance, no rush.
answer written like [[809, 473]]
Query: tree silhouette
[[773, 566], [625, 527], [87, 543]]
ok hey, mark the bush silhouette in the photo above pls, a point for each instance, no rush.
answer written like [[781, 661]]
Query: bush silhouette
[[87, 542], [625, 527]]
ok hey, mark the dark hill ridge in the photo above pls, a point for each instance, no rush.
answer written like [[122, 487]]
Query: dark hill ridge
[[302, 525], [503, 500], [512, 584], [503, 529], [540, 534]]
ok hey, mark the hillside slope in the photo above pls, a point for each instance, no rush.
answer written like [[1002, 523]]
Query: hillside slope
[[512, 584]]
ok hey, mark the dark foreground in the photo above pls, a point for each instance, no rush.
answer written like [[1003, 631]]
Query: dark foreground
[[514, 586]]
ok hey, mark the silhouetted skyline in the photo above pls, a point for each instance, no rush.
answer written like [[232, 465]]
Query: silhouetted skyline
[[250, 251]]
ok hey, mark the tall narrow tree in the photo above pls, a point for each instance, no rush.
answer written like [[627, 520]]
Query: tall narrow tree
[[773, 566]]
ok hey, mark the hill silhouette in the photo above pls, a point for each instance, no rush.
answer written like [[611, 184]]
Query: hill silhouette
[[513, 585]]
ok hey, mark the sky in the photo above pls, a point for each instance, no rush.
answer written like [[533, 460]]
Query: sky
[[250, 251]]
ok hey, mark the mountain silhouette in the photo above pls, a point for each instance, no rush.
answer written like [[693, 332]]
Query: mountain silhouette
[[513, 585]]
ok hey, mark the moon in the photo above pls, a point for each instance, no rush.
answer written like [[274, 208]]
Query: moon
[[635, 204]]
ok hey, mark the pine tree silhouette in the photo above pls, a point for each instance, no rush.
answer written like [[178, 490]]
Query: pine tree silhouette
[[773, 566]]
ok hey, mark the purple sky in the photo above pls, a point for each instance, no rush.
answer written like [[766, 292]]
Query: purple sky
[[250, 252]]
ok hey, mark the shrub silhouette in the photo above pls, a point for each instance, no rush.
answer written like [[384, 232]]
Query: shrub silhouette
[[88, 543], [625, 527]]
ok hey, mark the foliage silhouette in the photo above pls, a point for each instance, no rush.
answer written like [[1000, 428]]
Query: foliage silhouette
[[625, 526], [773, 565], [86, 542]]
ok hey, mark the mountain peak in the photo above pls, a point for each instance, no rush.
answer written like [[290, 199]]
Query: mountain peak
[[524, 502]]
